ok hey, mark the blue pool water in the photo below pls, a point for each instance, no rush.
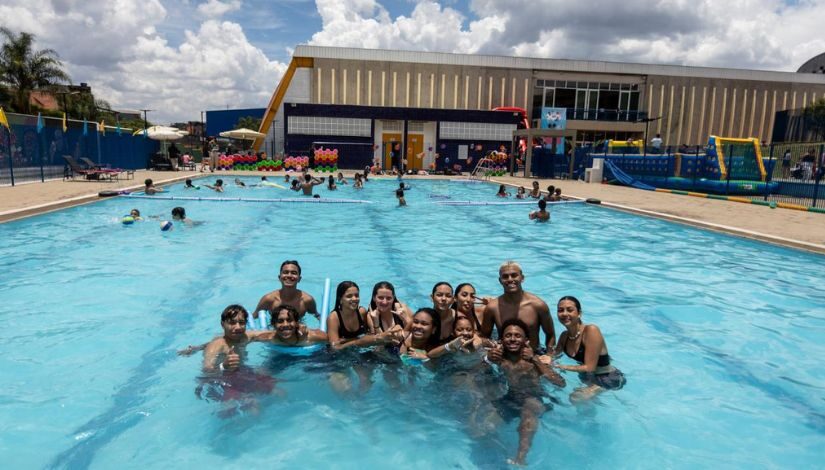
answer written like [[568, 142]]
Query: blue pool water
[[719, 337]]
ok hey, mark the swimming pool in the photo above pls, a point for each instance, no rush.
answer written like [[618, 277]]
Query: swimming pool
[[719, 337]]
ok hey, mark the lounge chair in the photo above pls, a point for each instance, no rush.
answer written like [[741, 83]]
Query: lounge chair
[[90, 165], [158, 161], [89, 174]]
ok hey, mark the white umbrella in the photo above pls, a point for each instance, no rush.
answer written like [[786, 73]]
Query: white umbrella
[[242, 134], [163, 134]]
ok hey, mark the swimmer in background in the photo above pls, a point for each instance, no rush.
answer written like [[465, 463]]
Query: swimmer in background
[[557, 195], [341, 179], [135, 214], [179, 215], [523, 371], [358, 184], [286, 177], [331, 183], [150, 187], [289, 275], [585, 345], [502, 192], [218, 187], [309, 183], [521, 194], [550, 191], [541, 215], [188, 185], [399, 194], [535, 193], [240, 183], [364, 177], [296, 185]]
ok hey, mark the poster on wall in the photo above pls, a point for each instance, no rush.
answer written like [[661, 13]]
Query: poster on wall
[[554, 118]]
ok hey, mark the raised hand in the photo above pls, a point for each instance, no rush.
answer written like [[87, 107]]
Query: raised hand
[[527, 352], [232, 360]]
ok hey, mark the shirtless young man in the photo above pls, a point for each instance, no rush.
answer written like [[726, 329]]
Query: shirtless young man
[[523, 371], [289, 294], [515, 302], [309, 183]]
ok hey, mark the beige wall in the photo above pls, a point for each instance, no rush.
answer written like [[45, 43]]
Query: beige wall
[[690, 108]]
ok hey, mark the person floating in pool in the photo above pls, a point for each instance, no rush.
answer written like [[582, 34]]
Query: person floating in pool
[[296, 185], [309, 183], [188, 184], [525, 394], [399, 194], [556, 196], [341, 179], [551, 190], [535, 193], [358, 183], [179, 215], [288, 331], [515, 302], [135, 214], [218, 187], [289, 294], [522, 193], [541, 215], [150, 188], [227, 379], [239, 183], [331, 183], [585, 344], [502, 192]]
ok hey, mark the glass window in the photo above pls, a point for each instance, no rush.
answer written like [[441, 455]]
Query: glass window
[[549, 95], [626, 86], [614, 86], [609, 100], [565, 98], [634, 87], [634, 101], [604, 86]]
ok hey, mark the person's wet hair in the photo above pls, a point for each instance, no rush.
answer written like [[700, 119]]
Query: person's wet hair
[[233, 311], [291, 261], [515, 322], [148, 182], [439, 284], [572, 299], [542, 204], [219, 182], [435, 337], [307, 178], [341, 290], [291, 311], [382, 285], [179, 212]]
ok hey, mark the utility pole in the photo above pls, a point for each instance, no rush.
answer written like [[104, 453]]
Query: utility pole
[[144, 119]]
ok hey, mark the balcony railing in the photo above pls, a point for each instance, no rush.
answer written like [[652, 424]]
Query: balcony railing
[[605, 115]]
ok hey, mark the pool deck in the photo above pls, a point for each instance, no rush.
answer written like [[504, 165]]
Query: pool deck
[[798, 229]]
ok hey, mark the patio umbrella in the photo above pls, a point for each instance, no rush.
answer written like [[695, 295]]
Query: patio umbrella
[[163, 134], [242, 134]]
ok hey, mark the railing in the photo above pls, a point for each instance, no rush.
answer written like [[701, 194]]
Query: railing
[[32, 152], [605, 115]]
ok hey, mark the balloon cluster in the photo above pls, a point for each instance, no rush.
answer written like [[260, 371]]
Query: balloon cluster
[[496, 171], [328, 157], [498, 157], [226, 162], [269, 165], [296, 162], [244, 162]]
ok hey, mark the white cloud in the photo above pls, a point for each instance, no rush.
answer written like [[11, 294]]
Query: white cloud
[[217, 8], [115, 47]]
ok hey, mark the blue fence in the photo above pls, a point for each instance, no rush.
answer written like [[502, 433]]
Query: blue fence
[[35, 153]]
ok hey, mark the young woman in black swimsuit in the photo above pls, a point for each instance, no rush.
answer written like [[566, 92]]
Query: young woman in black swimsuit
[[465, 305], [347, 324], [442, 296], [386, 311], [585, 344]]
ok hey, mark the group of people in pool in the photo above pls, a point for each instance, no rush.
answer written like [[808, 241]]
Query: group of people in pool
[[457, 329]]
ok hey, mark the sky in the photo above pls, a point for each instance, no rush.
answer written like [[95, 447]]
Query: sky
[[180, 57]]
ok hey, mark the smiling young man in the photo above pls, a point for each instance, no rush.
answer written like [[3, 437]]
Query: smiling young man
[[288, 294], [516, 303]]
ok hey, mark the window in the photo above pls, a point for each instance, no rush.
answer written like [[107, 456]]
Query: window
[[313, 125], [476, 131]]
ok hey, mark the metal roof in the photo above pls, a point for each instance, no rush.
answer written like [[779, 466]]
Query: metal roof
[[564, 65]]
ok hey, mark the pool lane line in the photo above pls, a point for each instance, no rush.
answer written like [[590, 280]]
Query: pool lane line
[[46, 207], [124, 411], [309, 200]]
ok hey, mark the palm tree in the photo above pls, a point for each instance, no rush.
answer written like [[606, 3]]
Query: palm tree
[[23, 69]]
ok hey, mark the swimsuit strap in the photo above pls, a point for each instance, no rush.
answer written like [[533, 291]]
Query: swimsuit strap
[[342, 327]]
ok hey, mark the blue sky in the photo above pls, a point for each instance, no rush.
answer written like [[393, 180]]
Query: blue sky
[[184, 56]]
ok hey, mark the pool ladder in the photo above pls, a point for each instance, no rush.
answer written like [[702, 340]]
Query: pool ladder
[[483, 169]]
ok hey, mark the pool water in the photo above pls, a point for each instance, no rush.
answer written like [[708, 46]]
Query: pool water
[[718, 336]]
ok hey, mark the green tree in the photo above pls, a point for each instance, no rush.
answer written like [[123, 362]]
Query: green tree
[[248, 122], [23, 69], [815, 118]]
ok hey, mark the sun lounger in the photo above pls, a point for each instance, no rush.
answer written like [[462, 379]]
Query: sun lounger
[[89, 174]]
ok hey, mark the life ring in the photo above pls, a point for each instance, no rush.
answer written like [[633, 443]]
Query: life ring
[[110, 193], [592, 200]]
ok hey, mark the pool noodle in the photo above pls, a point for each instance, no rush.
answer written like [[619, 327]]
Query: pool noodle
[[325, 306]]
